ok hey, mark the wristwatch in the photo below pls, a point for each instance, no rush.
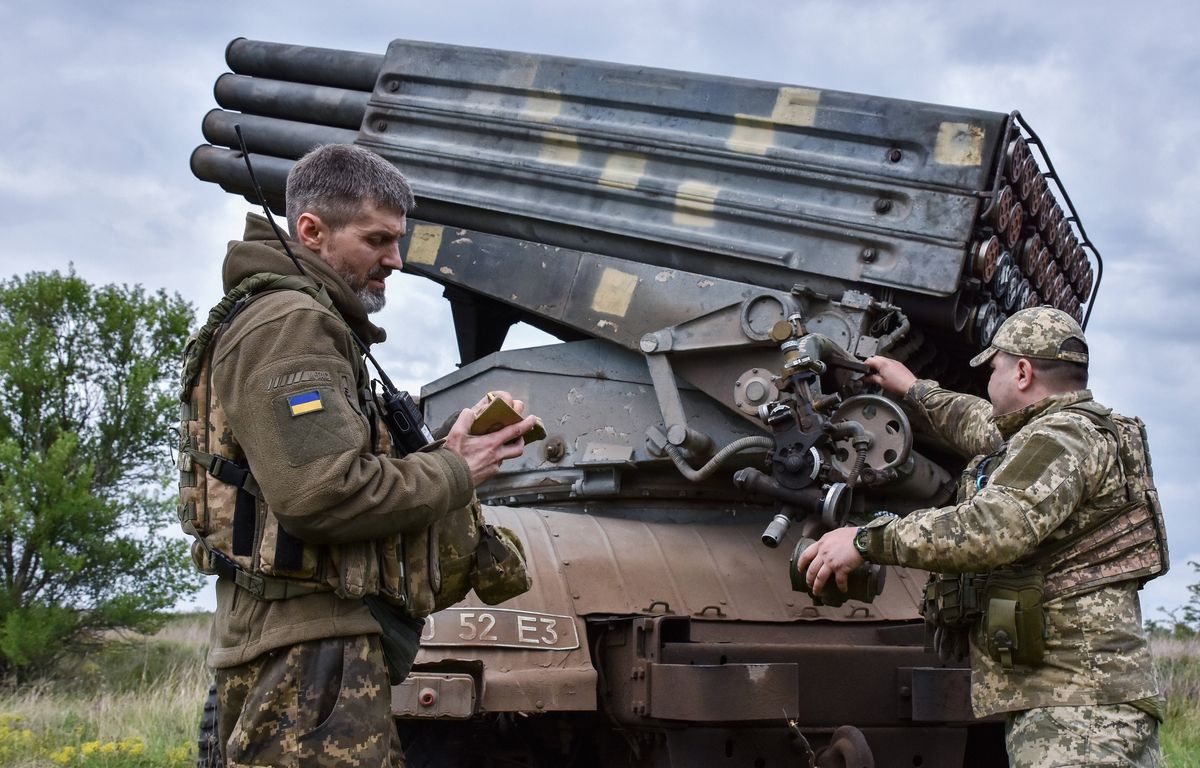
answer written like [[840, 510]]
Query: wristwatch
[[862, 537], [860, 540]]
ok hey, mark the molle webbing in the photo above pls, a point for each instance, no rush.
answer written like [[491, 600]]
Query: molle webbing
[[221, 503], [1124, 547], [1129, 542]]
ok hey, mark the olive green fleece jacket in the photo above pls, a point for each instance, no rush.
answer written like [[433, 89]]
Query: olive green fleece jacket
[[317, 472]]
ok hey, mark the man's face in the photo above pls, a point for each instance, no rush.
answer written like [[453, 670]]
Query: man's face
[[365, 251], [1002, 386]]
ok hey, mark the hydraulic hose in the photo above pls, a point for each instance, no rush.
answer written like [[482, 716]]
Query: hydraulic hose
[[737, 446]]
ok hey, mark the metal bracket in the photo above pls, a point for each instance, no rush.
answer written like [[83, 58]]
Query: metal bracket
[[671, 404]]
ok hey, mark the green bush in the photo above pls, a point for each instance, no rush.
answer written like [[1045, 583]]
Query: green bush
[[87, 376]]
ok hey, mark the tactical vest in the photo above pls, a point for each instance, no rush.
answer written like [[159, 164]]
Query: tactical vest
[[1127, 541], [235, 534], [1130, 539]]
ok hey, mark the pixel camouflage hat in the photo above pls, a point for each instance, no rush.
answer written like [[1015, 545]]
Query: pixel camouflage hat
[[1039, 333]]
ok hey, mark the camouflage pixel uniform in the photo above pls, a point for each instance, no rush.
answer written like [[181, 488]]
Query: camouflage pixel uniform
[[1049, 473], [309, 704], [302, 680]]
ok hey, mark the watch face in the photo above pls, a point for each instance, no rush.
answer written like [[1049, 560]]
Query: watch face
[[860, 541]]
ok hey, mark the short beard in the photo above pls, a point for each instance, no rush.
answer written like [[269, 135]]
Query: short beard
[[372, 300]]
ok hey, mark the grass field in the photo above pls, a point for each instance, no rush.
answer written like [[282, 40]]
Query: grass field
[[136, 703], [1179, 674]]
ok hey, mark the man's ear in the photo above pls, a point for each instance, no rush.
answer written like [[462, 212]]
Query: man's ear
[[311, 232], [1024, 372]]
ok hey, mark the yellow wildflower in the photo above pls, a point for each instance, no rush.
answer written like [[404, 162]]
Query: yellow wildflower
[[64, 755], [132, 746], [108, 748], [89, 748]]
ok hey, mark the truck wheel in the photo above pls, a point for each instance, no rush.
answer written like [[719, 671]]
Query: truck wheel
[[207, 753]]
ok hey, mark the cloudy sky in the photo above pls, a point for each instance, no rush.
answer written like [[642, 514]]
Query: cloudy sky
[[102, 104]]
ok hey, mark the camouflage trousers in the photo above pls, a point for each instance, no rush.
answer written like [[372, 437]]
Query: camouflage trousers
[[324, 703], [1101, 735]]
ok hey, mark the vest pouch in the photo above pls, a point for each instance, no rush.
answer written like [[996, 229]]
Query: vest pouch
[[1014, 621], [391, 571], [951, 600], [500, 570], [457, 539], [417, 568], [357, 567]]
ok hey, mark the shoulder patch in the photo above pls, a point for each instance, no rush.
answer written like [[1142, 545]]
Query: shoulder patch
[[305, 402], [316, 422], [1024, 468]]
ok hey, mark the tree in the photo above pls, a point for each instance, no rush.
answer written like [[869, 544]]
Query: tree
[[1184, 619], [87, 408]]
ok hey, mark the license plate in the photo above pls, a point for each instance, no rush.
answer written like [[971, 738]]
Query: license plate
[[501, 627]]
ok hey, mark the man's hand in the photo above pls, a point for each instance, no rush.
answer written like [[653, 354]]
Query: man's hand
[[485, 453], [892, 375], [834, 555]]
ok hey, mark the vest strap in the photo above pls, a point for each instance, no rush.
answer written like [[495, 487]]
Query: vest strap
[[226, 471]]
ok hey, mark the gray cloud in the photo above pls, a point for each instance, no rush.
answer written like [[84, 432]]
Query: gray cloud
[[103, 104]]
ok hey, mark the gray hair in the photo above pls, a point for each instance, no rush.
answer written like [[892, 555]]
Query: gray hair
[[335, 180]]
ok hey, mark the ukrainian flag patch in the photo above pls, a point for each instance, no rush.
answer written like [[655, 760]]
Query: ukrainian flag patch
[[305, 402]]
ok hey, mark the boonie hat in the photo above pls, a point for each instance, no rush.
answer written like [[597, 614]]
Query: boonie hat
[[1037, 332]]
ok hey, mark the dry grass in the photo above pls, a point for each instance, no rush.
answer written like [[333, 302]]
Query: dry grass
[[1178, 662], [134, 702]]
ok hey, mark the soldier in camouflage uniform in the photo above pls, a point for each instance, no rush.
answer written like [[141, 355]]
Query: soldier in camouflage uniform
[[1043, 472], [301, 676]]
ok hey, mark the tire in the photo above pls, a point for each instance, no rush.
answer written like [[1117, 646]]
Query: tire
[[207, 753]]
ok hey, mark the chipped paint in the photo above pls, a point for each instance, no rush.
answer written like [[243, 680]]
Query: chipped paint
[[623, 170], [604, 324], [461, 241], [446, 271], [796, 106], [694, 203], [424, 245], [614, 293], [757, 673], [959, 144], [574, 396], [705, 283], [542, 109], [664, 276], [754, 134], [751, 135], [559, 148]]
